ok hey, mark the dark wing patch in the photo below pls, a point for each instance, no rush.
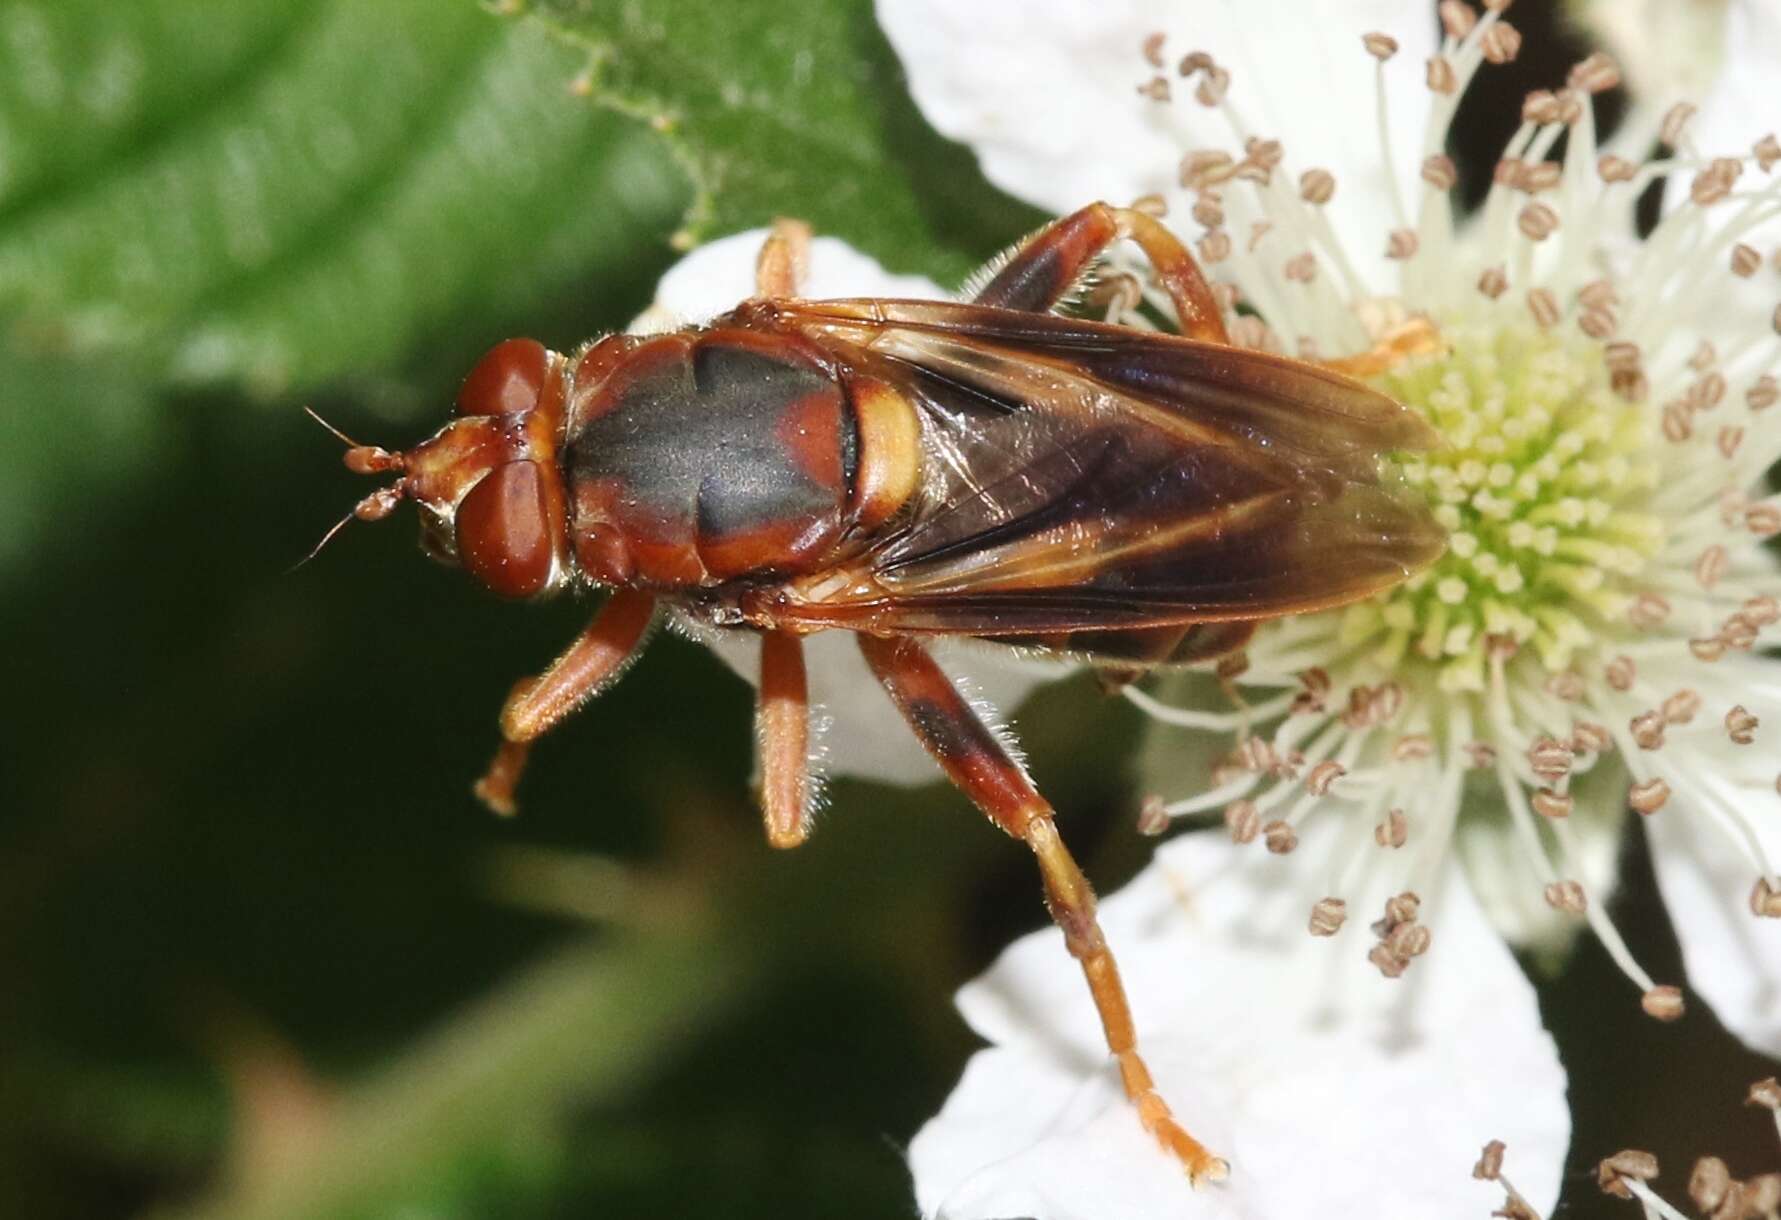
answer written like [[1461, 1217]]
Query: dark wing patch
[[1081, 477]]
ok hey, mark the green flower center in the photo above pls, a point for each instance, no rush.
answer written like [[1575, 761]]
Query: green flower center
[[1540, 489]]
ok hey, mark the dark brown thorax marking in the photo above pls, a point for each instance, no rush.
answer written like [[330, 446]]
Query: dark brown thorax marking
[[701, 458]]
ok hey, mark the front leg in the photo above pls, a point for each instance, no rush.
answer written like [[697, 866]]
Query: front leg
[[974, 760], [595, 660]]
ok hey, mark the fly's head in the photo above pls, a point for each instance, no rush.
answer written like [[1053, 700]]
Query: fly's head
[[488, 485]]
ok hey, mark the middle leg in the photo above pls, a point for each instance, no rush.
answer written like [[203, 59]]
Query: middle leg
[[974, 760]]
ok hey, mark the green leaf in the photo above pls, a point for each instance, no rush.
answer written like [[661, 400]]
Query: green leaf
[[295, 192], [279, 196], [793, 108]]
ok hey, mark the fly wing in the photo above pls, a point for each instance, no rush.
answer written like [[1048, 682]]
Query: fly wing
[[1084, 477]]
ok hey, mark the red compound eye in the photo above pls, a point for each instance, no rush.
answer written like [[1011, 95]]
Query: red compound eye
[[504, 534], [506, 381]]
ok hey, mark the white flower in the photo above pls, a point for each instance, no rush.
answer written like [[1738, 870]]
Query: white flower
[[1330, 1093], [1595, 637], [848, 705]]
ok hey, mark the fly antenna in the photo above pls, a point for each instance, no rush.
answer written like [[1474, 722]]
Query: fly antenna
[[326, 539], [338, 434], [374, 507]]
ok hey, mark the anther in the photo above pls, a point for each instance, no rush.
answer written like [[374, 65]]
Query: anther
[[1615, 169], [1549, 758], [1710, 1182], [1393, 831], [1745, 261], [1457, 18], [1153, 48], [1401, 908], [1767, 151], [1715, 182], [1208, 210], [1765, 1093], [1648, 796], [1537, 222], [1401, 244], [1214, 247], [1648, 610], [1681, 707], [1323, 775], [1205, 167], [1265, 153], [1566, 896], [1632, 1165], [1490, 1162], [1327, 916], [1301, 268], [1380, 46], [1648, 730], [1440, 172], [1243, 821], [1708, 649], [1663, 1003], [1763, 393], [1543, 305], [1390, 964], [1678, 426], [1317, 186], [1407, 940], [1596, 74], [1440, 76], [1214, 83], [1541, 176], [1549, 803], [1540, 107], [1674, 120], [1280, 837], [1588, 737], [1501, 43], [1765, 899], [1763, 520], [1156, 89], [1493, 283], [1741, 724], [1153, 816], [1710, 566], [1598, 324]]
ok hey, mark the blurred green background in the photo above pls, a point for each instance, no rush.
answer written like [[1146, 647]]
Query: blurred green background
[[260, 952]]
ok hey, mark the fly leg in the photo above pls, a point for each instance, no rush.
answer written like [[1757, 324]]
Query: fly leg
[[784, 260], [981, 767], [1043, 269], [1413, 337], [782, 723], [592, 663]]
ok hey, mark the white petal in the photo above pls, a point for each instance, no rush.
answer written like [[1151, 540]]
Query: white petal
[[719, 274], [865, 735], [1333, 1091], [1744, 102], [1045, 92], [1732, 957], [1666, 50]]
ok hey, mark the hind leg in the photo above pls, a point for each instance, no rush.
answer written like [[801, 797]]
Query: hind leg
[[1043, 269], [974, 760]]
